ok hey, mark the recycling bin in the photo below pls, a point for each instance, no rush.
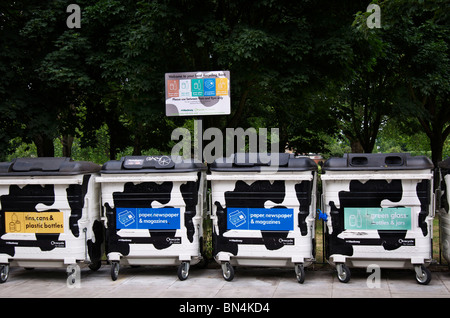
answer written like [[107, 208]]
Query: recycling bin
[[263, 211], [444, 217], [50, 215], [153, 208], [379, 210]]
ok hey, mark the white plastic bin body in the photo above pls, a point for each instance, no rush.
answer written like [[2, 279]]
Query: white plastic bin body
[[50, 213], [154, 215], [262, 217], [378, 213]]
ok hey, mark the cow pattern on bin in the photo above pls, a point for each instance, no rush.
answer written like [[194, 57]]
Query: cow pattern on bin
[[371, 194], [142, 195], [27, 198], [256, 195]]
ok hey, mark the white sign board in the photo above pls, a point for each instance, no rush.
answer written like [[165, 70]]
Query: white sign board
[[198, 93]]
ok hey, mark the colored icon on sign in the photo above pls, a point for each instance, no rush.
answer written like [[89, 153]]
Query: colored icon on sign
[[197, 87], [221, 86], [185, 88], [210, 86], [172, 88]]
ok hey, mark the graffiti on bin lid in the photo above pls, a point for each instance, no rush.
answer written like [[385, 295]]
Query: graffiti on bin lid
[[162, 160]]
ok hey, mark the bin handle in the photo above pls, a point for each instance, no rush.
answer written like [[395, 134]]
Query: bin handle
[[433, 204], [85, 240], [210, 204], [200, 202]]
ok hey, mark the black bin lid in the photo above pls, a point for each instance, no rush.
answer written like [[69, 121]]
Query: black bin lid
[[243, 162], [444, 165], [46, 166], [377, 161], [151, 164]]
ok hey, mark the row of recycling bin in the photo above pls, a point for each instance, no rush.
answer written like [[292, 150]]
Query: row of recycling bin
[[149, 210]]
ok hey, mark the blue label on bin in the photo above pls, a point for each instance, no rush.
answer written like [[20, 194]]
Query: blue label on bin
[[148, 218], [260, 219]]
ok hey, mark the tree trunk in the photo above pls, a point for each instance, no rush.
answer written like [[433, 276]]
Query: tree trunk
[[67, 142], [234, 120], [356, 146], [44, 146], [112, 146]]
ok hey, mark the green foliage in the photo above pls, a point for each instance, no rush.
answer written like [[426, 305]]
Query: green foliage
[[420, 35], [314, 70]]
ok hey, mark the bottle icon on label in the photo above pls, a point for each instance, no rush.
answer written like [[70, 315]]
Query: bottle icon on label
[[355, 221], [359, 220], [14, 225]]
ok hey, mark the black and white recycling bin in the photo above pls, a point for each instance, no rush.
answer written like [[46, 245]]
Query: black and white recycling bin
[[50, 214], [379, 209], [263, 211], [153, 207]]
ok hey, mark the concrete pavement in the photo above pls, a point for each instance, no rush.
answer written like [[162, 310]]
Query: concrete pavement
[[162, 282]]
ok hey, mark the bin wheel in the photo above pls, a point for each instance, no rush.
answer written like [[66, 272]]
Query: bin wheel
[[115, 270], [300, 273], [183, 270], [227, 271], [343, 273], [95, 266], [4, 273], [423, 275]]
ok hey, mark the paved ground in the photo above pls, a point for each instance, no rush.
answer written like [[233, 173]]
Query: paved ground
[[162, 282]]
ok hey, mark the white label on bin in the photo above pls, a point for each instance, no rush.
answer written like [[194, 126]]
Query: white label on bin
[[260, 219], [34, 222], [148, 218]]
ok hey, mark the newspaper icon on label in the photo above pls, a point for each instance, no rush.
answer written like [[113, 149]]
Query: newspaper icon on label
[[237, 218], [126, 217]]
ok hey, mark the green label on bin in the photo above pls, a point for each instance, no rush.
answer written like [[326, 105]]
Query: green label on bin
[[377, 218]]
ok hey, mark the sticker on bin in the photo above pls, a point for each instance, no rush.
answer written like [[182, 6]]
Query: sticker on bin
[[34, 222], [397, 218], [260, 219], [148, 218]]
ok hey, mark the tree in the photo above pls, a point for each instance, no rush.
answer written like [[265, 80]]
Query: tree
[[26, 104], [367, 101], [47, 77], [285, 58], [419, 33], [282, 54]]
